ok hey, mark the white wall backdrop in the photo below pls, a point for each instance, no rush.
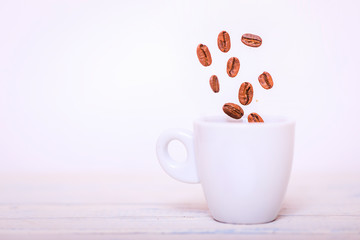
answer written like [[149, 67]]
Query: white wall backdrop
[[89, 85]]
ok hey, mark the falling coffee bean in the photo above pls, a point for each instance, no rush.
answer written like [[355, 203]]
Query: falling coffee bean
[[233, 110], [204, 55], [223, 41], [251, 40], [214, 83], [254, 117], [246, 93], [266, 80], [233, 66]]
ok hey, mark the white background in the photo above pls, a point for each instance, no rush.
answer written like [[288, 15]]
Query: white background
[[89, 85]]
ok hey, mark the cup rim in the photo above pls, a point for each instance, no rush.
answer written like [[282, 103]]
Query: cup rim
[[226, 121]]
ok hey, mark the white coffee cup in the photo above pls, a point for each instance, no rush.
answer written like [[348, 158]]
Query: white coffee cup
[[244, 168]]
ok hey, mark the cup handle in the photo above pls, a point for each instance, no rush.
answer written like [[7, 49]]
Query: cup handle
[[182, 171]]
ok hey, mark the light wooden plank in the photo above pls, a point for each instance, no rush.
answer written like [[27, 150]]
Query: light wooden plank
[[158, 219], [54, 211], [115, 236], [143, 210], [182, 225], [155, 207]]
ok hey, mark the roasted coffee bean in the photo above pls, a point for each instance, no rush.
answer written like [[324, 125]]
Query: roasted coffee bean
[[223, 41], [214, 83], [233, 66], [204, 55], [266, 80], [233, 110], [251, 40], [254, 117], [246, 93]]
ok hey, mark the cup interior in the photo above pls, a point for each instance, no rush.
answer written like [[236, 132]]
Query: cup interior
[[268, 119]]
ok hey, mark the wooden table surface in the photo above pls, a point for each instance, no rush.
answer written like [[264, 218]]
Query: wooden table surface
[[154, 206]]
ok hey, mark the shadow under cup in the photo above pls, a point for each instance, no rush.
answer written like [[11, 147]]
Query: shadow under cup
[[244, 168]]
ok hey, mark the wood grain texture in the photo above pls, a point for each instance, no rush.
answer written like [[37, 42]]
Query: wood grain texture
[[103, 206]]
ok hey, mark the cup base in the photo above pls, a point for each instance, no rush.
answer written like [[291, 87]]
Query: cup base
[[245, 222]]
